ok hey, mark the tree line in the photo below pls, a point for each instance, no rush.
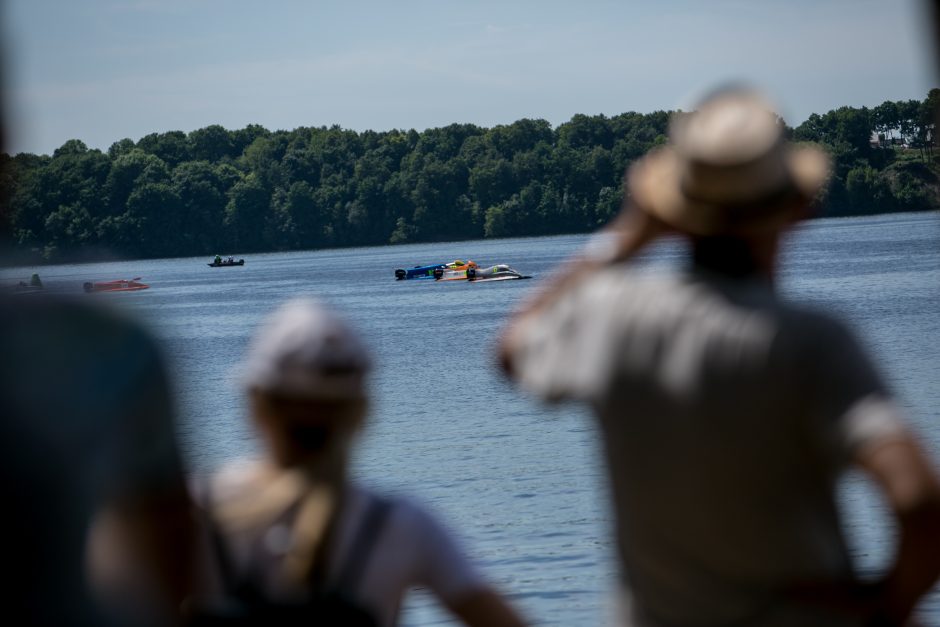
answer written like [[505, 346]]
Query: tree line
[[249, 190]]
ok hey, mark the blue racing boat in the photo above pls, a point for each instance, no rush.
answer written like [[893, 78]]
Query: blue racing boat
[[427, 272]]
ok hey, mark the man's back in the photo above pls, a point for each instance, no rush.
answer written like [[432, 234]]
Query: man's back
[[727, 416]]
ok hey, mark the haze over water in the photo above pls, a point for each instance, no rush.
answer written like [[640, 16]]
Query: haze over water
[[522, 484]]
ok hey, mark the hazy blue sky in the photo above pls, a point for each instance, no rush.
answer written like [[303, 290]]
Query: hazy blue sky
[[101, 70]]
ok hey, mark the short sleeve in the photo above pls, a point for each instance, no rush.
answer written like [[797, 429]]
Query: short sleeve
[[856, 405], [442, 565]]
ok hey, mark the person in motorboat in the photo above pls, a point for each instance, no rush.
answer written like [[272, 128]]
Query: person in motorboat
[[34, 284]]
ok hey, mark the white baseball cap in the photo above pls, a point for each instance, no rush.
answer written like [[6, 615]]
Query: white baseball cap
[[304, 350]]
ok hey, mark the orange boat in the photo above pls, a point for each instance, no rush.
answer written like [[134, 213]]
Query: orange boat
[[121, 285], [456, 271]]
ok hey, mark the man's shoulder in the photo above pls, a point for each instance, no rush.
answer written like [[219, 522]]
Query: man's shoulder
[[623, 276], [811, 324], [626, 285], [403, 511], [662, 295], [234, 478], [618, 286], [665, 303]]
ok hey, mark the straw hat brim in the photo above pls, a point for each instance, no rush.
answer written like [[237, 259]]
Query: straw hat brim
[[655, 184]]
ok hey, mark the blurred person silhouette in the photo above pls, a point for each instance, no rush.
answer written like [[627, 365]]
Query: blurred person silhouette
[[933, 10], [727, 413], [294, 540], [97, 523]]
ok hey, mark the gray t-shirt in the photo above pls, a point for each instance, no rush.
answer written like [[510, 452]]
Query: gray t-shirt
[[727, 416]]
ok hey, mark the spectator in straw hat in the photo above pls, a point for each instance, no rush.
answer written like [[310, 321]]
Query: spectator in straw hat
[[295, 541], [727, 414]]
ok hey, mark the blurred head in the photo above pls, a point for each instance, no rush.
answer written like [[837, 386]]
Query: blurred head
[[728, 170], [306, 378]]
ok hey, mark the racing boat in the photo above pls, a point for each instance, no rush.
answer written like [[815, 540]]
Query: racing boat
[[499, 272], [121, 285], [427, 272]]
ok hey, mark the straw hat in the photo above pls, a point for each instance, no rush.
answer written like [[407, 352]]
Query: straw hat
[[728, 169]]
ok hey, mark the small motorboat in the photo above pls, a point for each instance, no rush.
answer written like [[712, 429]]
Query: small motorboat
[[427, 272], [218, 262], [34, 286], [121, 285], [499, 272]]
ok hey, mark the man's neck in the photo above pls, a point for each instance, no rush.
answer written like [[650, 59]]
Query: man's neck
[[735, 257]]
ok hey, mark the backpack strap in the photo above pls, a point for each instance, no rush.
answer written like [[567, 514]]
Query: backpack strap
[[234, 584], [367, 535]]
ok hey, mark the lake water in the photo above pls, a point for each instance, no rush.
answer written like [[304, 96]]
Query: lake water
[[521, 484]]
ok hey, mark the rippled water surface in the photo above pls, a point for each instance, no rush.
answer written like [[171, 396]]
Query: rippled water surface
[[522, 485]]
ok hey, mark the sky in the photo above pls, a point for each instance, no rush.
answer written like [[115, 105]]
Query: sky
[[103, 70]]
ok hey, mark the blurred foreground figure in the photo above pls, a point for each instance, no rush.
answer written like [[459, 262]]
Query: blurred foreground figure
[[96, 524], [728, 414], [294, 541]]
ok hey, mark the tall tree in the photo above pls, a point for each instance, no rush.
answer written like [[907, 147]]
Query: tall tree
[[155, 210], [246, 214], [172, 148], [211, 143]]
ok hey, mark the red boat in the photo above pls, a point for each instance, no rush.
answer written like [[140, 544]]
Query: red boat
[[121, 285]]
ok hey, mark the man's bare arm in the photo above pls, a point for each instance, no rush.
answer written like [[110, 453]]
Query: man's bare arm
[[631, 231], [486, 608], [902, 470]]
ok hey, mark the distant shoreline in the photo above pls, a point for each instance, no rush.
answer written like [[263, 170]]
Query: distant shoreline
[[215, 191], [10, 263]]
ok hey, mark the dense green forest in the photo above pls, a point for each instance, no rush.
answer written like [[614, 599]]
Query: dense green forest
[[219, 191]]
